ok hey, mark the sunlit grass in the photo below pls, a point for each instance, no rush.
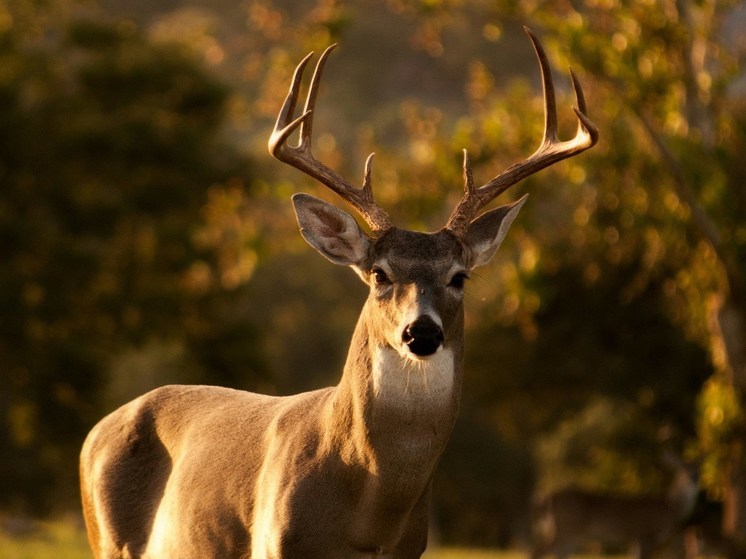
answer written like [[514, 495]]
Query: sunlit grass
[[67, 540], [463, 553], [53, 540], [64, 541]]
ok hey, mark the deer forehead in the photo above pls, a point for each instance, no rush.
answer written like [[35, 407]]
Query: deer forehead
[[412, 255]]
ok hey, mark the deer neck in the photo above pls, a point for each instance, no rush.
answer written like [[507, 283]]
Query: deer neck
[[398, 411]]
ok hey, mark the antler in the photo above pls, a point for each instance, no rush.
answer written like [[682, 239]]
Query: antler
[[549, 152], [302, 158]]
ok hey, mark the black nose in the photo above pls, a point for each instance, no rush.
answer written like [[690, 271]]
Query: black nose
[[423, 336]]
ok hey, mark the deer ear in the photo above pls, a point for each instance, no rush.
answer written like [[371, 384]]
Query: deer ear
[[331, 231], [486, 233]]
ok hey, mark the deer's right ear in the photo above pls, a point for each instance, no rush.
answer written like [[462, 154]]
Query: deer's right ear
[[331, 231]]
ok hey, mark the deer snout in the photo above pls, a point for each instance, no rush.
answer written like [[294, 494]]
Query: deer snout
[[423, 337]]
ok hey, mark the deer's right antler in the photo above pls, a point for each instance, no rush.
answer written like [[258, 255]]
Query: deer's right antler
[[301, 156]]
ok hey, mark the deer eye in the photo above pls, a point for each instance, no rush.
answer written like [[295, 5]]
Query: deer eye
[[380, 277], [458, 279]]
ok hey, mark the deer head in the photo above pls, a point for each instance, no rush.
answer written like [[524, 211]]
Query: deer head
[[416, 279]]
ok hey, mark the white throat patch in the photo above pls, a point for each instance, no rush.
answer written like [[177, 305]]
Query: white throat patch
[[403, 382]]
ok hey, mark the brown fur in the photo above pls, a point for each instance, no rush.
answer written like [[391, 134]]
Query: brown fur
[[198, 472]]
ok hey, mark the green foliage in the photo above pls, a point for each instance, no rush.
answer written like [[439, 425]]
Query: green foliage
[[719, 419], [109, 145]]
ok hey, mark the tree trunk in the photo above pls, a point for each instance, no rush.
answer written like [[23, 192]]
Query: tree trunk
[[729, 326], [732, 330]]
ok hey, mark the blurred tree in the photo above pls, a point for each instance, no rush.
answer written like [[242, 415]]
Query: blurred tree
[[602, 288], [656, 242], [669, 74], [109, 143], [586, 334]]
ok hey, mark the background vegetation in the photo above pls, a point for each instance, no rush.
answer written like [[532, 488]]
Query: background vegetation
[[146, 236]]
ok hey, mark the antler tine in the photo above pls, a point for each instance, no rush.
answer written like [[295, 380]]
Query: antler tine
[[586, 127], [313, 91], [285, 124], [550, 151], [547, 84], [301, 156]]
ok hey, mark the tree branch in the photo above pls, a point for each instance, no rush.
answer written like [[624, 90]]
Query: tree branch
[[704, 223]]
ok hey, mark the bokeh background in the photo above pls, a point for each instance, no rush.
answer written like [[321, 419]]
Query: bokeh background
[[146, 236]]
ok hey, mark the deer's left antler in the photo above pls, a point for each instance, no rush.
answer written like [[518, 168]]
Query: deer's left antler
[[549, 152]]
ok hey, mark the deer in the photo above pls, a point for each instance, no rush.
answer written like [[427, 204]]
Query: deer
[[197, 472], [572, 517]]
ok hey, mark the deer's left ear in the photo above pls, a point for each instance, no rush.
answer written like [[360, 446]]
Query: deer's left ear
[[331, 231], [486, 233]]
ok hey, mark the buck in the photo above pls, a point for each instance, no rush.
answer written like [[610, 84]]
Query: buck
[[197, 472], [570, 518]]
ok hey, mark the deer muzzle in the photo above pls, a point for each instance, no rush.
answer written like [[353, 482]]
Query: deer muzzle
[[423, 337]]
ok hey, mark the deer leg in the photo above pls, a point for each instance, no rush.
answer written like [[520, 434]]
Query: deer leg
[[645, 549]]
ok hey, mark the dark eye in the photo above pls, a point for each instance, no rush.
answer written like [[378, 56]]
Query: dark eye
[[458, 279], [380, 277]]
